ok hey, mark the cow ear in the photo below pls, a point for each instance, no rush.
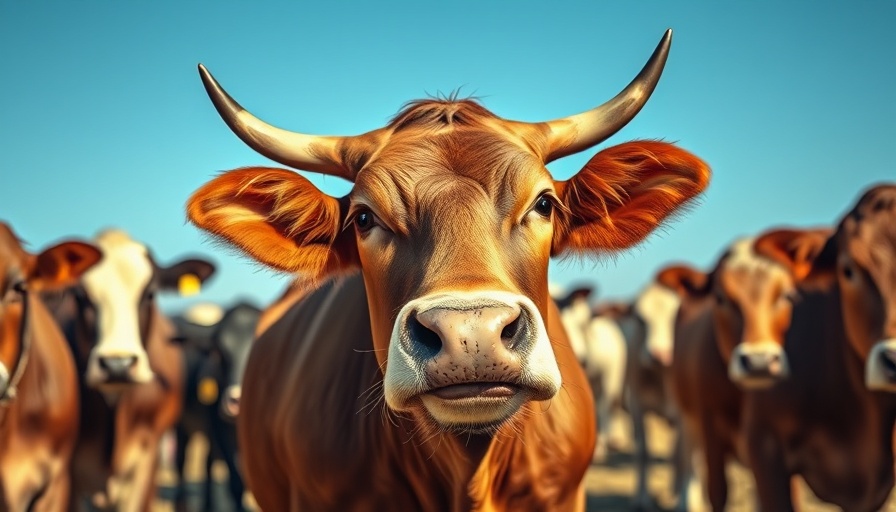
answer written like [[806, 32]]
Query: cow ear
[[809, 254], [684, 280], [278, 218], [62, 265], [186, 276], [623, 193]]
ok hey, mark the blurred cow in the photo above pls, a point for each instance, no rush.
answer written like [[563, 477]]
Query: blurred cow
[[130, 372], [601, 349], [216, 345], [800, 406], [38, 380]]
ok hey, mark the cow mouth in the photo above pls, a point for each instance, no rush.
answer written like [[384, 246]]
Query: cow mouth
[[474, 407], [476, 391]]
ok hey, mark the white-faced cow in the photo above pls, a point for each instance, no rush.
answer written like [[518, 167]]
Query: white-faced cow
[[131, 373], [448, 231], [38, 383]]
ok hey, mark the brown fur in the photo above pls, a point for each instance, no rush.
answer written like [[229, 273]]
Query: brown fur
[[38, 428]]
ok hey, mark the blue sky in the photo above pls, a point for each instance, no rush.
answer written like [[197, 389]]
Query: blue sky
[[105, 122]]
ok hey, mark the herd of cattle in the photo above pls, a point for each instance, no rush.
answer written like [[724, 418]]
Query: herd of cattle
[[418, 361]]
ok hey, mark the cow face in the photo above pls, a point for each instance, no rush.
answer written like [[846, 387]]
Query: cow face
[[452, 220], [753, 309], [656, 308], [21, 275], [862, 256], [233, 338], [115, 306]]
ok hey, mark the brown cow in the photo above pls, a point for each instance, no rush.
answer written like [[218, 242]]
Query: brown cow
[[861, 256], [708, 402], [38, 384], [451, 221], [804, 409], [131, 374]]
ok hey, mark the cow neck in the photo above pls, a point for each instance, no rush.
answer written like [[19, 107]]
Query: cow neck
[[9, 393]]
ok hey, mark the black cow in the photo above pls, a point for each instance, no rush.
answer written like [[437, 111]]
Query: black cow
[[216, 345]]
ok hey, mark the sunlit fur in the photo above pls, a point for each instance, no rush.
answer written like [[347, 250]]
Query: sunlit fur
[[625, 192]]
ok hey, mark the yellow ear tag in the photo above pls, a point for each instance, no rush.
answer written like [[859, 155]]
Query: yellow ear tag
[[189, 284], [207, 391]]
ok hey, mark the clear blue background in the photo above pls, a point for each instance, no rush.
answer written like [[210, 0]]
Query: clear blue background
[[105, 123]]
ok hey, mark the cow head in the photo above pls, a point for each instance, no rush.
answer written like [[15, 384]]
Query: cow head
[[22, 275], [233, 338], [861, 257], [656, 308], [452, 220], [115, 305]]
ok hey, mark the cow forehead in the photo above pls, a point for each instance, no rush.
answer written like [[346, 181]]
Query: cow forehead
[[656, 303], [750, 270], [410, 167], [124, 270]]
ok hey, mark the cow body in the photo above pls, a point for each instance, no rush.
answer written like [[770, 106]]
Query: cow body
[[325, 443], [451, 222], [130, 372], [709, 406], [39, 413]]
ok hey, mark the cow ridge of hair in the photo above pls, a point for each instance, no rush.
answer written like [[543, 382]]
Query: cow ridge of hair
[[622, 191]]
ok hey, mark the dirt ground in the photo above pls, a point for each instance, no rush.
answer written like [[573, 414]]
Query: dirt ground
[[610, 484]]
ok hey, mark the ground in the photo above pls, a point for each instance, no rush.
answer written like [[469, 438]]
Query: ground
[[609, 484]]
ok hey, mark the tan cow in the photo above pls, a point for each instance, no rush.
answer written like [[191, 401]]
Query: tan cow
[[38, 383], [447, 319]]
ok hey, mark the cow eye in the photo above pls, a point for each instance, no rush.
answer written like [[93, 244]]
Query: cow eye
[[365, 221], [544, 206], [848, 272]]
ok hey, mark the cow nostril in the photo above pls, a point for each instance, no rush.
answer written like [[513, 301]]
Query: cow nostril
[[510, 331], [745, 362], [117, 365], [423, 337]]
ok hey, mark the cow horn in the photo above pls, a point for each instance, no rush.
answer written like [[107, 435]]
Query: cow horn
[[581, 131], [307, 152]]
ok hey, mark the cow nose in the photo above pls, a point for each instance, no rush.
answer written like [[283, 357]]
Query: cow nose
[[888, 363], [231, 402], [762, 363], [466, 331], [117, 367]]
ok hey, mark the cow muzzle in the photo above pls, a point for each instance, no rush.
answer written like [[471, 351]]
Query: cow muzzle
[[472, 359], [230, 402], [758, 365], [880, 368], [117, 368]]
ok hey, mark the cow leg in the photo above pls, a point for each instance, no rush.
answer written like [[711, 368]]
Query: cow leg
[[715, 477], [642, 499], [57, 494], [135, 487], [226, 436], [773, 481], [209, 482], [180, 461]]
